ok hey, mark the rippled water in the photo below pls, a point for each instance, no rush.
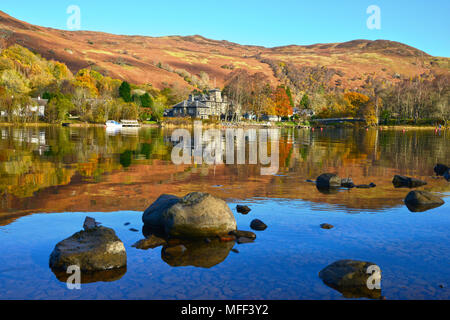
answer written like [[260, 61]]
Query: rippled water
[[52, 178]]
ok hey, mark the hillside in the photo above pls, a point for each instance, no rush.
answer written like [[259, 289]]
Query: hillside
[[185, 61]]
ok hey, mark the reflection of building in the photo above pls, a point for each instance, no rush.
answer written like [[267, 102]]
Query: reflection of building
[[205, 106], [37, 107]]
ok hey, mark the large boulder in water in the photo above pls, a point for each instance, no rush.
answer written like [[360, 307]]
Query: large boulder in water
[[419, 201], [328, 180], [407, 182], [197, 215], [93, 249], [351, 278]]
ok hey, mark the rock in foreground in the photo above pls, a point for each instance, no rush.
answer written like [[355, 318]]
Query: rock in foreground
[[328, 180], [197, 215], [351, 277], [419, 201], [95, 249], [407, 182]]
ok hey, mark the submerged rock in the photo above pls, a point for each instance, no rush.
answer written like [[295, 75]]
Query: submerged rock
[[403, 181], [328, 180], [441, 169], [198, 254], [326, 226], [351, 278], [197, 215], [258, 225], [150, 243], [420, 201], [94, 249], [243, 209]]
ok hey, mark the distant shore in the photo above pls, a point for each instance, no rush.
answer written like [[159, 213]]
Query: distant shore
[[169, 124]]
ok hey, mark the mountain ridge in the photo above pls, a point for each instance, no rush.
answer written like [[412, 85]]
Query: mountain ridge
[[182, 60]]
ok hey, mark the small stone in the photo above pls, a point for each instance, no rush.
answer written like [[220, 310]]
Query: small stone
[[403, 181], [134, 230], [244, 234], [326, 226], [150, 243], [328, 180], [258, 225], [243, 209], [90, 223]]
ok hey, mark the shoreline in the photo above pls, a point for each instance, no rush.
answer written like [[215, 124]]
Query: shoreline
[[224, 125]]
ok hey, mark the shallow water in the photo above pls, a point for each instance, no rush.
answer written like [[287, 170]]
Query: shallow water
[[113, 177]]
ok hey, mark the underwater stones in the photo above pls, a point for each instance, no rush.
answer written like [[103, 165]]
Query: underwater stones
[[197, 215], [403, 181], [94, 249]]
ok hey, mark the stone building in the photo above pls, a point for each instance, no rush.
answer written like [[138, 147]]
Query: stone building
[[205, 106]]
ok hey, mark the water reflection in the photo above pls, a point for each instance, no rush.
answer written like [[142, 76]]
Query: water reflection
[[198, 254], [93, 277], [52, 169]]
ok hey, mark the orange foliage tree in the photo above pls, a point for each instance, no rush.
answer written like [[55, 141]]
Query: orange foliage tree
[[282, 103]]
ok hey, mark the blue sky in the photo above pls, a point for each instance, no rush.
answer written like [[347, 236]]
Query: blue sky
[[422, 24]]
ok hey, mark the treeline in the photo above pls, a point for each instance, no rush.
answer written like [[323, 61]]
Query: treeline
[[87, 95], [256, 96], [420, 99]]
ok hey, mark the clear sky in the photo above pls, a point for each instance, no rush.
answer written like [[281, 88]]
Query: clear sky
[[422, 24]]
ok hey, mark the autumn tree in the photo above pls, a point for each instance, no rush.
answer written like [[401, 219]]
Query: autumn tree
[[282, 104]]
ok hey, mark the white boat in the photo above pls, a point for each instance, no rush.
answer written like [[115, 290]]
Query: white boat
[[113, 124], [130, 123]]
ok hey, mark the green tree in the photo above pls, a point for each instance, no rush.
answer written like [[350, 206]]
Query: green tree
[[146, 101], [125, 91], [58, 108], [305, 103]]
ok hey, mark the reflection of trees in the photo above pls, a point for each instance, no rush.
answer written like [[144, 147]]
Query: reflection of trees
[[28, 165]]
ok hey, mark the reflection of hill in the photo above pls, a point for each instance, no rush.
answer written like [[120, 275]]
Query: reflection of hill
[[86, 170]]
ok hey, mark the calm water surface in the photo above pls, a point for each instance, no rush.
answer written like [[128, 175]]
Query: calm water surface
[[52, 178]]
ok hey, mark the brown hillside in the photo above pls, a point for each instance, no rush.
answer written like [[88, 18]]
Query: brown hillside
[[138, 59]]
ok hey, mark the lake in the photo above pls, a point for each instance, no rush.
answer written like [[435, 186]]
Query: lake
[[51, 178]]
